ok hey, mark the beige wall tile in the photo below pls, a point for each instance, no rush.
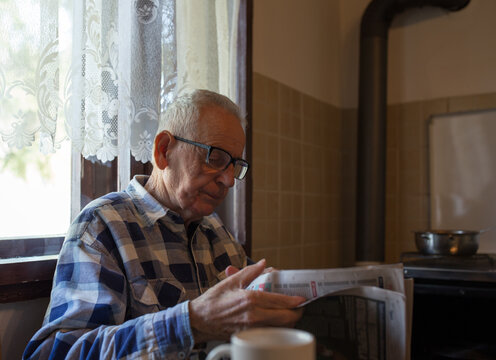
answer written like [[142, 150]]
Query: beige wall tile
[[260, 115], [297, 177], [410, 181], [258, 233], [259, 141], [392, 206], [349, 122], [317, 256], [286, 151], [392, 166], [297, 231], [410, 129], [297, 209], [273, 149], [287, 183], [346, 242], [259, 206], [333, 255], [311, 207], [312, 180], [260, 84], [286, 200], [272, 121], [273, 205], [410, 208], [313, 231], [272, 237], [312, 255], [392, 246], [285, 101], [272, 94], [272, 176], [309, 107], [332, 171], [472, 102], [290, 233], [290, 258], [295, 126], [312, 157], [258, 171], [285, 125], [434, 107], [270, 255]]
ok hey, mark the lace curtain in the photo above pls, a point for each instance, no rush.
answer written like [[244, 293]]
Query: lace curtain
[[100, 71]]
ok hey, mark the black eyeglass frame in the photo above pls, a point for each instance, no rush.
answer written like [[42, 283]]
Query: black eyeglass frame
[[209, 149]]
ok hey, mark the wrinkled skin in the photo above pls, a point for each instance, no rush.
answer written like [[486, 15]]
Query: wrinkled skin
[[181, 180], [228, 308]]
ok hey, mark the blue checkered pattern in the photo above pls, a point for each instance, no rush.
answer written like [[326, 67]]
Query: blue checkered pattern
[[124, 277]]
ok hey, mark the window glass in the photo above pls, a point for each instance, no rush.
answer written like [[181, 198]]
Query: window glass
[[35, 154], [36, 191]]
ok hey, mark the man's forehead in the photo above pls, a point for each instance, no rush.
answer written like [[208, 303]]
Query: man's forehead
[[215, 121]]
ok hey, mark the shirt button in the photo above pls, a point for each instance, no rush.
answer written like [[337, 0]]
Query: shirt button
[[181, 355]]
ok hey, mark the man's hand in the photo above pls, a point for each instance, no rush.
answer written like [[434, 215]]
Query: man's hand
[[231, 270], [227, 307]]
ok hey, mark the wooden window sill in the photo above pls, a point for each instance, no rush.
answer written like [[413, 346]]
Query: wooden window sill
[[26, 278]]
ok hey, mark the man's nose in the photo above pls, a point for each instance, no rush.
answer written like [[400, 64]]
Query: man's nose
[[226, 177]]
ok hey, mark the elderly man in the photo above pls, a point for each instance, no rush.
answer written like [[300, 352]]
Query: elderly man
[[151, 272]]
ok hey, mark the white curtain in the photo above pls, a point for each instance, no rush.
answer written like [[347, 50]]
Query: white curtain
[[100, 71]]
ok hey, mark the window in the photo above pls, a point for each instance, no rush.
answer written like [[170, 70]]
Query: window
[[61, 79], [27, 174]]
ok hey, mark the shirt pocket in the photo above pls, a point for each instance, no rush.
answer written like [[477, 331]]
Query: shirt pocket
[[151, 295]]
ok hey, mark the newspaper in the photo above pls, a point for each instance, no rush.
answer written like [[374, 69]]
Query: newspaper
[[355, 313]]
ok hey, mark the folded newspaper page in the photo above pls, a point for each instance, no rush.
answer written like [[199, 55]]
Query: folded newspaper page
[[354, 313]]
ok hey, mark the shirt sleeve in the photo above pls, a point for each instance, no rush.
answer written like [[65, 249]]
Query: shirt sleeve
[[86, 317]]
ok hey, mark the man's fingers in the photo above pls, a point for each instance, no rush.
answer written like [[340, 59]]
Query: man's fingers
[[276, 301], [231, 270], [269, 269], [244, 277]]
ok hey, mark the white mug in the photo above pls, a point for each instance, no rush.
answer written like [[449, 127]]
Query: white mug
[[267, 344]]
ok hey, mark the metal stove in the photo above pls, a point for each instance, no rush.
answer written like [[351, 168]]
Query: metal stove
[[477, 268], [454, 308]]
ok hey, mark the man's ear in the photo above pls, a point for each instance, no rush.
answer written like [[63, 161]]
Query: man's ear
[[162, 142]]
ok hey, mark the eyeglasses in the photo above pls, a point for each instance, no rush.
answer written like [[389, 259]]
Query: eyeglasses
[[220, 159]]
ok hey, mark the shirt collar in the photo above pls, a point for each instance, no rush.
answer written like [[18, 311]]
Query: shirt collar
[[149, 208]]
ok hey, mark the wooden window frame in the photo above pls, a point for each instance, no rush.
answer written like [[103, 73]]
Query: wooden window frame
[[27, 264]]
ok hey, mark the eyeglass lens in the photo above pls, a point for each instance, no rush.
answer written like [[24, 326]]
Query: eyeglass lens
[[220, 159], [240, 170]]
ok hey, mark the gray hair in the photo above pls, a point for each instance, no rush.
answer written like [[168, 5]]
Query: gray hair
[[182, 115]]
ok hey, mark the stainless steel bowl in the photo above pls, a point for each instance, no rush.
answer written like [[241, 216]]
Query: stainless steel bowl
[[447, 242]]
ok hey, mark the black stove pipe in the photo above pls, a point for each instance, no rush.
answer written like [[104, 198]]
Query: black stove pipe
[[372, 107]]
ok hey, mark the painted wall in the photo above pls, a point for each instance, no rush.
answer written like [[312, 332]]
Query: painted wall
[[313, 46], [438, 54], [297, 43]]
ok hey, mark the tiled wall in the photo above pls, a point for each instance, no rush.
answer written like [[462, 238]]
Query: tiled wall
[[407, 191], [304, 169], [303, 178]]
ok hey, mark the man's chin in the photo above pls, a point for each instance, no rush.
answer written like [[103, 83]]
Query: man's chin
[[205, 209]]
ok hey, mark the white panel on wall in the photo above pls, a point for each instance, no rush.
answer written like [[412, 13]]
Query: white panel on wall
[[462, 151]]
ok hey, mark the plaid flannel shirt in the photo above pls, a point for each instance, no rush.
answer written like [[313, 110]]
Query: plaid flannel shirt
[[124, 277]]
